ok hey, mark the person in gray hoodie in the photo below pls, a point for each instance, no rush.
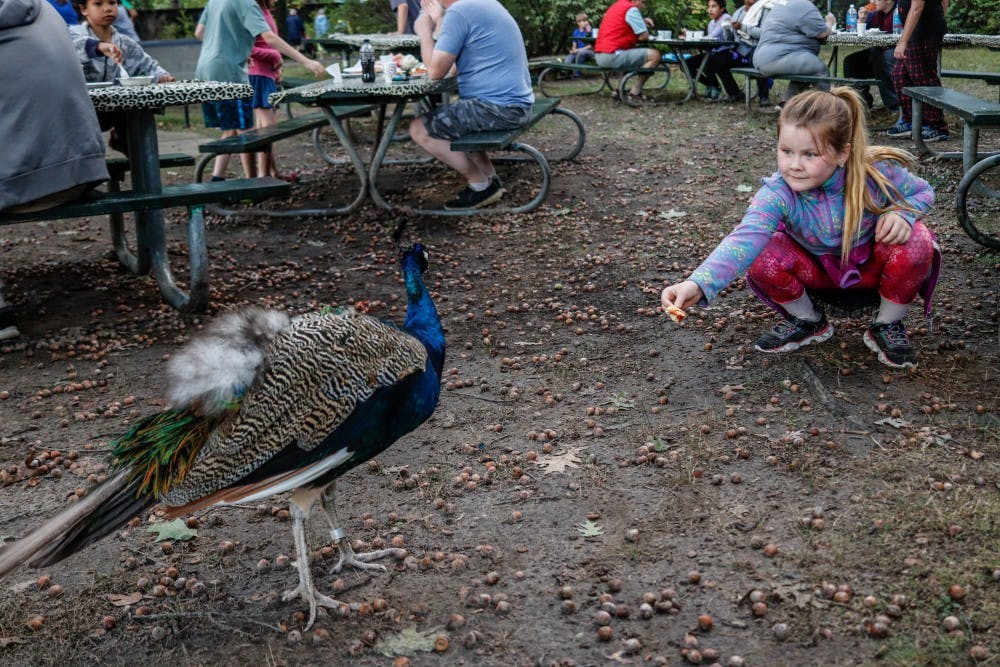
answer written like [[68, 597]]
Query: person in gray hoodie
[[52, 158]]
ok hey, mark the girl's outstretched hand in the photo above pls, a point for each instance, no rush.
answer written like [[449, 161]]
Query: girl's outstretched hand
[[892, 229], [681, 295]]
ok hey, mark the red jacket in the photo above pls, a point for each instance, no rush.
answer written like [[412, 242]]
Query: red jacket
[[614, 33]]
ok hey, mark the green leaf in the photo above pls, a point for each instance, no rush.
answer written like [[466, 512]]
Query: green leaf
[[176, 531], [408, 642], [590, 529], [659, 445], [622, 402]]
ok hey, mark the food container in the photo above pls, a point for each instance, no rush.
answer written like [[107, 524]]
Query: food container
[[136, 81]]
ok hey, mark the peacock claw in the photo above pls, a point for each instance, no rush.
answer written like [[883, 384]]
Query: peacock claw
[[360, 561], [313, 598]]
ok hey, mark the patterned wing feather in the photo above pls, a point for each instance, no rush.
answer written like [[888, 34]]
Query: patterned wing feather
[[318, 370]]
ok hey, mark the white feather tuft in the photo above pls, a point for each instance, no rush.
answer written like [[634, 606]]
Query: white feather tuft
[[218, 366]]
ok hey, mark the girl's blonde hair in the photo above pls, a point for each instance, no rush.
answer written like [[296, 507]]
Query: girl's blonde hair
[[580, 17], [836, 119]]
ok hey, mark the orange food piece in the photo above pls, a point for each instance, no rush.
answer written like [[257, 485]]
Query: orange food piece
[[676, 314]]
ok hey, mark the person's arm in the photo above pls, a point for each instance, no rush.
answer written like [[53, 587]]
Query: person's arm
[[639, 25], [912, 18], [402, 13], [141, 63], [439, 62], [275, 42]]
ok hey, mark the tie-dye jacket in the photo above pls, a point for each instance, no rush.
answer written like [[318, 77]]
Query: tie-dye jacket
[[814, 219]]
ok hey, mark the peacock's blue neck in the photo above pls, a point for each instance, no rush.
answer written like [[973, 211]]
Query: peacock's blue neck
[[421, 316]]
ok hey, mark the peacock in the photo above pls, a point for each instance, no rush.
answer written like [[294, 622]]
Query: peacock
[[262, 404]]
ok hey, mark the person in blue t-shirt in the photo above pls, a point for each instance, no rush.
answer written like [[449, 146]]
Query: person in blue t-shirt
[[67, 11], [481, 40], [580, 51]]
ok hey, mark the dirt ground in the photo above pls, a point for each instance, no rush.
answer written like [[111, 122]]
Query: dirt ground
[[590, 464]]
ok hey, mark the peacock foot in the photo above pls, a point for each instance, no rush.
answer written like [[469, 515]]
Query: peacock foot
[[313, 599], [361, 561]]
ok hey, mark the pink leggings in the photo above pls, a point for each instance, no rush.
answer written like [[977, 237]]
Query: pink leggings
[[784, 270]]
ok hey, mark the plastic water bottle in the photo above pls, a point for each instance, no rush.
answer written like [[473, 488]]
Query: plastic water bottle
[[852, 19], [897, 22], [367, 62]]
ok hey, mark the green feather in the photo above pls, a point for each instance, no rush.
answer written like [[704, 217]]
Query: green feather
[[160, 449]]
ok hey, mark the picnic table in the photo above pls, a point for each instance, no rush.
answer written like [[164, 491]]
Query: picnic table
[[330, 94], [140, 105], [381, 42], [681, 48], [885, 40]]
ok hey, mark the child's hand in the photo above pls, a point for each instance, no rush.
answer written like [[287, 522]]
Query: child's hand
[[892, 229], [111, 51], [315, 67], [433, 9], [166, 78], [682, 295]]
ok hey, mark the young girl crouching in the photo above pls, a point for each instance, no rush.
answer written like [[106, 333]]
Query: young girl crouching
[[839, 216]]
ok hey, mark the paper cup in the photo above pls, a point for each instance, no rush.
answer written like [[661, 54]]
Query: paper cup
[[594, 33], [388, 70]]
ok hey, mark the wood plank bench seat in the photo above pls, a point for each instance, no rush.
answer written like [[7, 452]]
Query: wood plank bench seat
[[975, 113], [507, 140], [263, 138], [193, 196], [118, 165], [753, 73]]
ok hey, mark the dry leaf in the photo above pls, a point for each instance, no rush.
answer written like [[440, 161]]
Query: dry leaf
[[559, 462], [120, 600]]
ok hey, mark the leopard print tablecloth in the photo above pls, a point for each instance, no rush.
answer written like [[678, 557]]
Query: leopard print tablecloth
[[888, 39], [159, 95], [353, 90], [379, 41]]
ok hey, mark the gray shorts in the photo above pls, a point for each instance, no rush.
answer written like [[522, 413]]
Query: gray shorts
[[623, 60], [462, 117]]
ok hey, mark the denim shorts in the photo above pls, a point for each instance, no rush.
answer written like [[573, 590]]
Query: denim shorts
[[451, 121], [228, 114], [262, 86]]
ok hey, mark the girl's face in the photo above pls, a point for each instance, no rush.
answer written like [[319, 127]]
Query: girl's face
[[714, 10], [802, 163], [100, 12]]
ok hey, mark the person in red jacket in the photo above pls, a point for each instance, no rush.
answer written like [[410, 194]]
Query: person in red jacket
[[621, 29]]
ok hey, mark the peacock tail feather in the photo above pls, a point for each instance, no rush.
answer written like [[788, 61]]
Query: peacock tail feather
[[160, 449]]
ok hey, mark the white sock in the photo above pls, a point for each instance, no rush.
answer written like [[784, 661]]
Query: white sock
[[802, 308], [479, 187], [889, 311]]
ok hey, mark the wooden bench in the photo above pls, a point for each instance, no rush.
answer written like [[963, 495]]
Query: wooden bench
[[507, 140], [193, 196], [118, 166], [262, 139], [605, 73], [975, 113], [753, 73], [991, 78]]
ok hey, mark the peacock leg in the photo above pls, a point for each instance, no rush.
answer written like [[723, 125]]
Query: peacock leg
[[305, 590], [347, 555]]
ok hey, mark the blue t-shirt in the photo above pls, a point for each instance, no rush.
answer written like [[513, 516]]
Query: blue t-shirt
[[231, 26], [580, 32], [489, 52], [67, 11]]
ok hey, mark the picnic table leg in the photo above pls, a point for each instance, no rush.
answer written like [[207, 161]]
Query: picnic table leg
[[692, 83], [379, 155], [145, 166]]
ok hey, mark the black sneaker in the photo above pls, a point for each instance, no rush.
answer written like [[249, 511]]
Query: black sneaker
[[496, 180], [8, 325], [891, 344], [469, 198], [792, 334]]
